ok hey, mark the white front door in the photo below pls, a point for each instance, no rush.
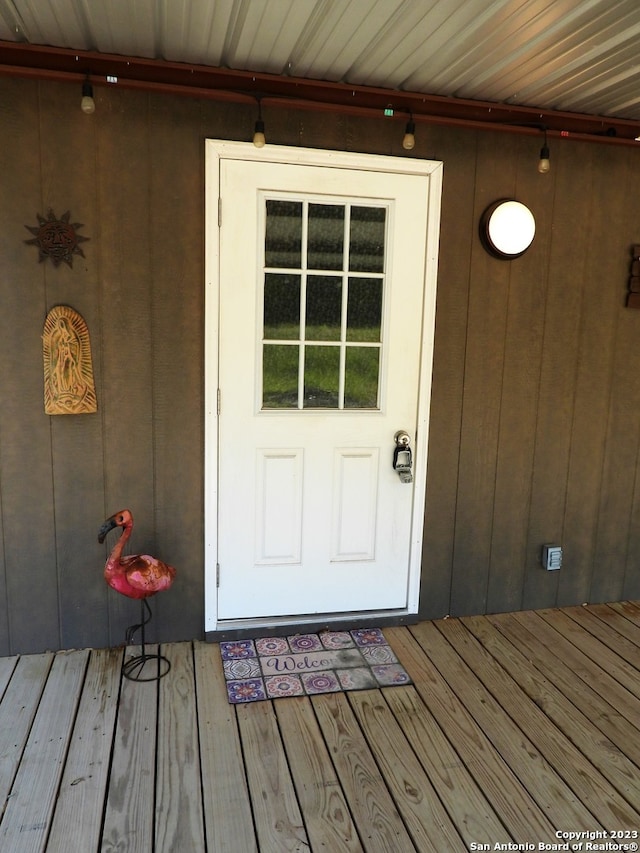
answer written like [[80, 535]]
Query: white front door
[[321, 271]]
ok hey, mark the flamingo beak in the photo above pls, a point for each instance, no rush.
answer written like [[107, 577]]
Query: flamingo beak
[[108, 525]]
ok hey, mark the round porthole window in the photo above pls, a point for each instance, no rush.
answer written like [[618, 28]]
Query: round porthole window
[[507, 228]]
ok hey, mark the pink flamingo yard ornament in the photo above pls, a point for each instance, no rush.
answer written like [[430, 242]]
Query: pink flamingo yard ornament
[[137, 576]]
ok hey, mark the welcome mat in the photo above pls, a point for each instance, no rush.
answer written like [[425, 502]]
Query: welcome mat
[[307, 664]]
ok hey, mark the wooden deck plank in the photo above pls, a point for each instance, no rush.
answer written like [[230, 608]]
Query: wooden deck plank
[[516, 807], [17, 710], [579, 728], [179, 815], [129, 815], [227, 808], [592, 672], [596, 623], [599, 654], [28, 814], [624, 627], [537, 774], [469, 809], [324, 808], [629, 609], [379, 824], [7, 665], [425, 817], [556, 665], [603, 801], [80, 803], [278, 821]]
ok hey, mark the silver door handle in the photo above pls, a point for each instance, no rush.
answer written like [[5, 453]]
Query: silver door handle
[[402, 456]]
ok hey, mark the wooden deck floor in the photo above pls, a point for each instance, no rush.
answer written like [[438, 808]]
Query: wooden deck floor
[[517, 727]]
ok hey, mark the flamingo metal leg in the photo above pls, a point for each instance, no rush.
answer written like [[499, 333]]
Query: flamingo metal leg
[[136, 669]]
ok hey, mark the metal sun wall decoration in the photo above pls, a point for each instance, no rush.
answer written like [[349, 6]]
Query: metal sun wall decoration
[[633, 294], [68, 372], [56, 238]]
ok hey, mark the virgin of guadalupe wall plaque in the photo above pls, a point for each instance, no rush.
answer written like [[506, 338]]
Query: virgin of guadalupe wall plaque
[[68, 372]]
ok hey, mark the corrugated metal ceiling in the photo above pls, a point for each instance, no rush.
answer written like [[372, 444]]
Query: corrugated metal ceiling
[[569, 55]]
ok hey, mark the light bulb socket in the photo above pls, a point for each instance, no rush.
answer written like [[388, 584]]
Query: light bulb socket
[[544, 165], [87, 104], [409, 140], [258, 134]]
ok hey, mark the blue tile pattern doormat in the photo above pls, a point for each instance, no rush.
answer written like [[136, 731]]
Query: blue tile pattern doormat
[[307, 664]]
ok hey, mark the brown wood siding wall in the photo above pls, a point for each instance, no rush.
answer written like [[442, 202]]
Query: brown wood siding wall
[[535, 421]]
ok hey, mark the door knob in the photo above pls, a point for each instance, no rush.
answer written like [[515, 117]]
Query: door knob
[[402, 456]]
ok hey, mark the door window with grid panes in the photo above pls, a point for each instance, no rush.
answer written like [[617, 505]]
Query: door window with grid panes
[[323, 292]]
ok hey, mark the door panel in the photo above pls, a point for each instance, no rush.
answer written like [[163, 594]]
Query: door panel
[[278, 507], [355, 500], [322, 309]]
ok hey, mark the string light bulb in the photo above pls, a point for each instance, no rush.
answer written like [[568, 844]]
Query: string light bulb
[[409, 140], [259, 138], [543, 163], [87, 104]]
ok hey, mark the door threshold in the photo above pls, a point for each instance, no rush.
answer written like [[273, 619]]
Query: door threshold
[[282, 626]]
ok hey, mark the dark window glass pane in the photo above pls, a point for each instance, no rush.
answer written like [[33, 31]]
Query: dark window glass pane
[[366, 241], [321, 377], [280, 376], [281, 306], [364, 309], [326, 237], [361, 378], [283, 237], [324, 307]]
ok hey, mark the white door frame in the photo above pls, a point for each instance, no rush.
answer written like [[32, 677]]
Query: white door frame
[[215, 150]]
